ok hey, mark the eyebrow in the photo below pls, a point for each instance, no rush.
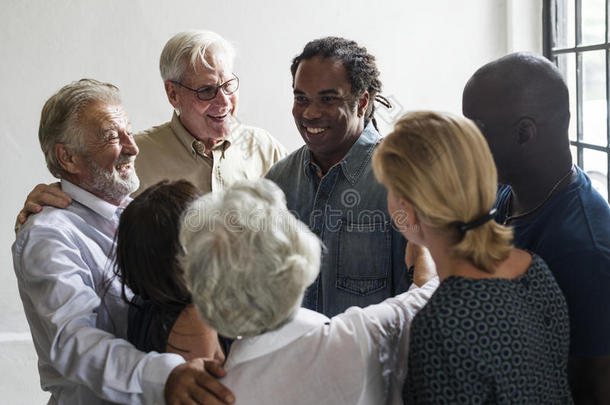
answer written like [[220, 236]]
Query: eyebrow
[[322, 92]]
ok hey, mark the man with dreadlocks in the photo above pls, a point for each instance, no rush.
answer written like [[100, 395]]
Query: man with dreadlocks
[[329, 183]]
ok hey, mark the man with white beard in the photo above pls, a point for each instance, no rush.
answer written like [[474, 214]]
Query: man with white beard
[[63, 263]]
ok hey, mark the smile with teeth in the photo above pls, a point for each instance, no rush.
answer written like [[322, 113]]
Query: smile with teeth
[[123, 166], [315, 130]]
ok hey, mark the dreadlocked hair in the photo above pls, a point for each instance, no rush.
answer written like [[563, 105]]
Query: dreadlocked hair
[[360, 66]]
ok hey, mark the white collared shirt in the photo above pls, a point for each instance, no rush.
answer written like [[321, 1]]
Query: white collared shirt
[[62, 260], [357, 357]]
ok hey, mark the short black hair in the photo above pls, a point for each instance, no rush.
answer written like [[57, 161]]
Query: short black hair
[[360, 66]]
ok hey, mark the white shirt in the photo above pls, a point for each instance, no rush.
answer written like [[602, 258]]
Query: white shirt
[[62, 260], [357, 357]]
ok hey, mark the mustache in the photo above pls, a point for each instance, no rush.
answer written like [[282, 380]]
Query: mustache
[[122, 159]]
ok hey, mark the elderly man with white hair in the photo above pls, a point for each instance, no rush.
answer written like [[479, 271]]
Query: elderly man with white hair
[[204, 142], [63, 264], [248, 262]]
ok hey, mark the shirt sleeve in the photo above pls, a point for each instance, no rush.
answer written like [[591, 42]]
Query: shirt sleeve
[[383, 334], [61, 302]]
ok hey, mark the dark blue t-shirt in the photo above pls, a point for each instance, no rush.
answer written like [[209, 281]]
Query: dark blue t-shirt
[[572, 234]]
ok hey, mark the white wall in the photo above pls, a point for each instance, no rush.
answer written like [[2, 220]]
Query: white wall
[[426, 50]]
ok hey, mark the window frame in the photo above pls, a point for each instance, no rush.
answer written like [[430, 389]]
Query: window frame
[[578, 50]]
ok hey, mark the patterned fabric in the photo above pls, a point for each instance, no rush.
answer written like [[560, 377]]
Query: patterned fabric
[[494, 340]]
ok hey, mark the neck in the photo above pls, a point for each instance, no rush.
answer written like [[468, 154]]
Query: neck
[[535, 187], [75, 180], [448, 265]]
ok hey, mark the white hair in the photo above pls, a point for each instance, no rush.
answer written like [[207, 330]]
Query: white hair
[[247, 259], [59, 120], [190, 47]]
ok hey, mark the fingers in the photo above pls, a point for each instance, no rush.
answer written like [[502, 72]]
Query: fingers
[[209, 384], [215, 369], [48, 195]]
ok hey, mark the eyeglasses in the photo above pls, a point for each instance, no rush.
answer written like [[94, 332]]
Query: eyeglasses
[[206, 93]]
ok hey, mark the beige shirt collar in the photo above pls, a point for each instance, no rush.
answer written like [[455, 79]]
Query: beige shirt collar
[[192, 144]]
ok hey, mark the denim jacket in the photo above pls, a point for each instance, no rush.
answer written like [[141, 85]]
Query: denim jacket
[[363, 260]]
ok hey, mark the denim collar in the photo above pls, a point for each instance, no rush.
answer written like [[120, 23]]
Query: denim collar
[[357, 158], [91, 201]]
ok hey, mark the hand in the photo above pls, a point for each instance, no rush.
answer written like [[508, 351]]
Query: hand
[[196, 382], [43, 194], [420, 257]]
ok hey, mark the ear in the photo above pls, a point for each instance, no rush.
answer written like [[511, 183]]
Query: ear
[[67, 159], [526, 130], [363, 103], [412, 220], [172, 93]]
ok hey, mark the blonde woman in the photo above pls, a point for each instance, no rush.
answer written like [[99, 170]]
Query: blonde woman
[[496, 330]]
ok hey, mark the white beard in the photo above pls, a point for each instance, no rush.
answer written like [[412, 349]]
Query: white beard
[[111, 185]]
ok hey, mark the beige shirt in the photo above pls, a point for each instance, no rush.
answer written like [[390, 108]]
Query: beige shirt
[[167, 152]]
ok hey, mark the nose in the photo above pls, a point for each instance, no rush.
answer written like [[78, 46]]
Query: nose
[[222, 99], [128, 144], [312, 112]]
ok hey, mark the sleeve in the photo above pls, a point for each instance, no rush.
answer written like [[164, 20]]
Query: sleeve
[[584, 277], [383, 334], [61, 304]]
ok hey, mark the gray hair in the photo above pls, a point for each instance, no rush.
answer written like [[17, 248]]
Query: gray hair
[[189, 47], [247, 259], [59, 120]]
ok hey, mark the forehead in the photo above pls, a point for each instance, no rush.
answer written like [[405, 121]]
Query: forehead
[[103, 116], [201, 74], [319, 74]]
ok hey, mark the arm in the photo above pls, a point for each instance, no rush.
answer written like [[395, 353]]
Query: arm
[[63, 308], [42, 194]]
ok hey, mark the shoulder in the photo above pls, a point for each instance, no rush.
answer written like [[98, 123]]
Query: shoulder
[[149, 136], [49, 229], [288, 165]]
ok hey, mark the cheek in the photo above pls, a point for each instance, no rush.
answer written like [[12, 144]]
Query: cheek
[[233, 99]]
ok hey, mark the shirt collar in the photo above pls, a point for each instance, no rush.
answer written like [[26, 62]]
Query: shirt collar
[[91, 201], [188, 141], [356, 159], [251, 348]]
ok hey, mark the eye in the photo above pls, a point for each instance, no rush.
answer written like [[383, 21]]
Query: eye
[[206, 91], [329, 99], [300, 99]]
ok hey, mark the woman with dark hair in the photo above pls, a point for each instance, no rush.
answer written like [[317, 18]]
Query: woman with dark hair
[[161, 315]]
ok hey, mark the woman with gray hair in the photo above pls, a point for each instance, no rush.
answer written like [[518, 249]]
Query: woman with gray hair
[[248, 261]]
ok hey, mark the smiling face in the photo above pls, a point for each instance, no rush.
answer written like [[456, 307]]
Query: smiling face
[[328, 116], [209, 121], [106, 169]]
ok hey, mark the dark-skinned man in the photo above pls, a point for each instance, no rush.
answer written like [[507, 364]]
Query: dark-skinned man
[[520, 103]]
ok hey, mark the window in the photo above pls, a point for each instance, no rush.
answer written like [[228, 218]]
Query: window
[[576, 39]]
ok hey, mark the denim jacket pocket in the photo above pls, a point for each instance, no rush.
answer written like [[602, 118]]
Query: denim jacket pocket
[[364, 257]]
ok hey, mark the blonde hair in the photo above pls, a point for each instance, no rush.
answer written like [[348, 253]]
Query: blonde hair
[[441, 164]]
